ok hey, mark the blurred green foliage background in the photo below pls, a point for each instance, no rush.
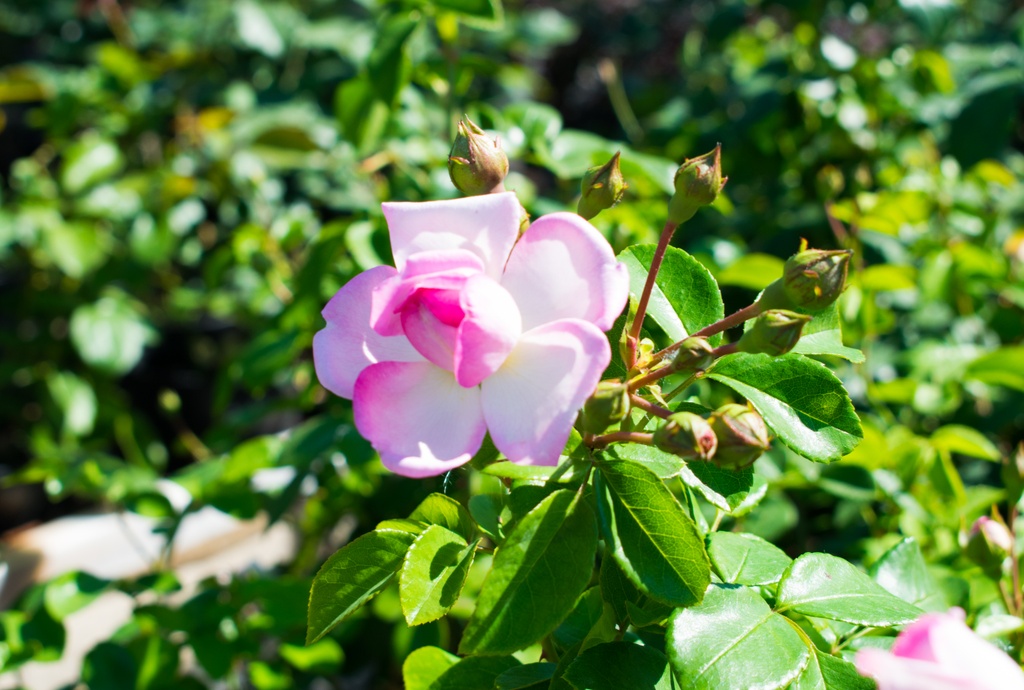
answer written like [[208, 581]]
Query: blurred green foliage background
[[185, 184]]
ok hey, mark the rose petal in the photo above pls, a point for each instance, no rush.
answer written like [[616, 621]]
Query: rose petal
[[347, 344], [417, 417], [564, 268], [530, 403], [488, 333], [427, 321], [896, 673], [445, 269], [963, 652], [486, 225]]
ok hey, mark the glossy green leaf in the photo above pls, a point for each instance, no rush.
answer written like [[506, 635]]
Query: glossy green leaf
[[618, 665], [433, 574], [535, 675], [733, 641], [902, 571], [490, 11], [90, 160], [650, 535], [827, 672], [424, 666], [474, 673], [486, 510], [824, 586], [72, 591], [685, 296], [1002, 367], [733, 491], [746, 559], [352, 576], [438, 509], [663, 464], [754, 271], [322, 658], [823, 336], [573, 630], [964, 440], [544, 565], [801, 401]]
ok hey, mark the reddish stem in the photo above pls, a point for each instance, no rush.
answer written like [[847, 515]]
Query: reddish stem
[[649, 407], [641, 309], [623, 436]]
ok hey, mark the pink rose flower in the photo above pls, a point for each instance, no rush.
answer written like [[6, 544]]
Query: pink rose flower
[[939, 652], [473, 331]]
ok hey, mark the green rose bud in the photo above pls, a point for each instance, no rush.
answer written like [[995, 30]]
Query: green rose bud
[[775, 332], [476, 164], [602, 188], [698, 182], [742, 436], [812, 280], [608, 405], [687, 435], [988, 545], [694, 354]]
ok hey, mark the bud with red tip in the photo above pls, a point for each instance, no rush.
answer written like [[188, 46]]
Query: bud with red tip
[[687, 435], [698, 182], [775, 332], [812, 280], [476, 164], [742, 436], [602, 188]]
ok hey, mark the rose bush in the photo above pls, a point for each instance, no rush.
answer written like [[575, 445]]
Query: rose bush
[[474, 330], [939, 652]]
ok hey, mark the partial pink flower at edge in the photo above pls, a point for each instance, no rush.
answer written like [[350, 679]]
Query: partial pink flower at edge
[[472, 332], [939, 652]]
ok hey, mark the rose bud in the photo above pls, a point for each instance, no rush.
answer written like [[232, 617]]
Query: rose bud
[[608, 405], [476, 164], [694, 354], [775, 332], [988, 545], [698, 182], [742, 436], [687, 435], [812, 280], [602, 187]]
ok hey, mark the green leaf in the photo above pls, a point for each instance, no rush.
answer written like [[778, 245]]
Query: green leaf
[[1003, 367], [77, 402], [650, 535], [826, 672], [517, 472], [486, 509], [824, 586], [534, 675], [321, 658], [90, 160], [438, 509], [733, 641], [474, 673], [735, 492], [753, 271], [257, 30], [71, 592], [956, 438], [746, 559], [542, 568], [584, 616], [823, 336], [801, 400], [685, 297], [110, 334], [488, 12], [902, 571], [77, 248], [388, 65], [352, 576], [424, 666], [618, 665], [663, 464], [433, 574]]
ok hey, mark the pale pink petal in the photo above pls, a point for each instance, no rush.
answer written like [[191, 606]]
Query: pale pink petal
[[417, 417], [347, 345], [486, 225], [446, 269], [962, 651], [897, 673], [530, 403], [563, 268], [430, 320], [488, 332]]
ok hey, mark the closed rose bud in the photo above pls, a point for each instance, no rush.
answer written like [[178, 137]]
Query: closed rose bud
[[602, 188], [812, 280], [608, 405], [988, 545], [697, 182], [775, 332], [687, 435], [742, 436], [694, 354], [476, 164]]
